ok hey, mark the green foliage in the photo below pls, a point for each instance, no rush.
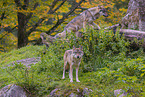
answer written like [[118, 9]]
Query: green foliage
[[7, 42], [107, 65]]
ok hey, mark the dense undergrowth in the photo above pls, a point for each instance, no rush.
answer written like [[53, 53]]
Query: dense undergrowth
[[108, 64]]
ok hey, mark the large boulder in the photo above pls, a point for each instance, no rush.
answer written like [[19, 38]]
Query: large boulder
[[120, 93], [135, 16], [28, 61], [12, 91]]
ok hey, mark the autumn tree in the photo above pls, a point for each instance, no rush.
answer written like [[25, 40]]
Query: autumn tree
[[24, 20], [7, 25], [31, 14], [25, 13]]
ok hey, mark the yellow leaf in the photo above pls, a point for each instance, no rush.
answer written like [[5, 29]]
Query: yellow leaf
[[53, 33], [142, 74]]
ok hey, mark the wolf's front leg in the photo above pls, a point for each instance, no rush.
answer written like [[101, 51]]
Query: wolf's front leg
[[71, 73], [84, 26], [77, 69], [95, 26], [65, 63]]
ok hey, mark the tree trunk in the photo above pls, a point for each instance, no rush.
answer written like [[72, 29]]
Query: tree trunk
[[23, 19], [22, 36]]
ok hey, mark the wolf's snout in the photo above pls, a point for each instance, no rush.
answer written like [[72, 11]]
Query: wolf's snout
[[78, 57]]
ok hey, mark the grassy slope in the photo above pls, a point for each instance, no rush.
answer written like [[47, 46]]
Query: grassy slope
[[9, 57], [116, 72], [22, 53]]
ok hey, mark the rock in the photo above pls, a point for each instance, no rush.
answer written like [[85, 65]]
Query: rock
[[120, 93], [25, 62], [73, 95], [86, 91], [135, 16], [28, 61], [78, 93], [12, 91], [54, 93]]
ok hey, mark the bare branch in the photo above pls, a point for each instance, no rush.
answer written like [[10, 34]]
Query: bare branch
[[30, 15], [35, 26], [52, 6], [18, 2], [8, 32], [2, 16], [111, 27], [59, 6]]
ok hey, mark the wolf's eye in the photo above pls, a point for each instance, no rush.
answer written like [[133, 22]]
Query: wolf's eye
[[101, 10], [74, 52]]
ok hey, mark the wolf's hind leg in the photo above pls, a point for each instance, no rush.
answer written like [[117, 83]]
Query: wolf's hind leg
[[71, 73], [65, 63]]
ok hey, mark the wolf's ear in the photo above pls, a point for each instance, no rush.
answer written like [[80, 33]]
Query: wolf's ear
[[99, 6], [42, 35], [81, 47], [74, 47]]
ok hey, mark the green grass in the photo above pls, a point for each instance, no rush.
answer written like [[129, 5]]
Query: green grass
[[22, 53], [108, 64], [14, 55]]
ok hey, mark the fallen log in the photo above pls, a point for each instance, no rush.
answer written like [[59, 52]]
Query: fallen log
[[133, 35], [128, 33], [47, 39], [136, 37], [113, 27]]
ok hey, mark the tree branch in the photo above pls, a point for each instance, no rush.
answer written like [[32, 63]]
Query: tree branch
[[59, 6], [30, 15], [8, 32], [2, 16], [52, 6], [112, 27], [18, 3], [43, 18], [35, 26]]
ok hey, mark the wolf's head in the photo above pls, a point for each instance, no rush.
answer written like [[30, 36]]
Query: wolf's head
[[77, 52], [103, 11]]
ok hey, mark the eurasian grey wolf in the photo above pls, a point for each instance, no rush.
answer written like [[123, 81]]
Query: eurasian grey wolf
[[72, 58], [85, 18]]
